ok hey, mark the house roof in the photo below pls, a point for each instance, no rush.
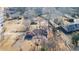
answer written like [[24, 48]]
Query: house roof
[[71, 27], [40, 32]]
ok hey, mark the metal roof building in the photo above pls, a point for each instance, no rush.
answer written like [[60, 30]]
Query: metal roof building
[[71, 27]]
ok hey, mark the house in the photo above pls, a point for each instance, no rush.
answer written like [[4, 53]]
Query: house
[[40, 32], [70, 25]]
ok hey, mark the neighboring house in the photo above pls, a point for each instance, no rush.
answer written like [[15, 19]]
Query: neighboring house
[[71, 26], [36, 32]]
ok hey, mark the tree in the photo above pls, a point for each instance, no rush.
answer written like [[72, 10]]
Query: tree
[[75, 39]]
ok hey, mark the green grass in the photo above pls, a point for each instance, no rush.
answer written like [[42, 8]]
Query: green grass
[[44, 49]]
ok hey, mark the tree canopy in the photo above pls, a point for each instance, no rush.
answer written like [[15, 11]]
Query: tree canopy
[[75, 37]]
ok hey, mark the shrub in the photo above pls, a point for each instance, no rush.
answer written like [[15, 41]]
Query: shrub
[[75, 39], [44, 49]]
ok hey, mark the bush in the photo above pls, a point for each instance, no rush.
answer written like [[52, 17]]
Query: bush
[[75, 39], [44, 49]]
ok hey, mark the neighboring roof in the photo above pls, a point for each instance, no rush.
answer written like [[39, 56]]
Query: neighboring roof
[[71, 27], [36, 32], [53, 24], [40, 32]]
